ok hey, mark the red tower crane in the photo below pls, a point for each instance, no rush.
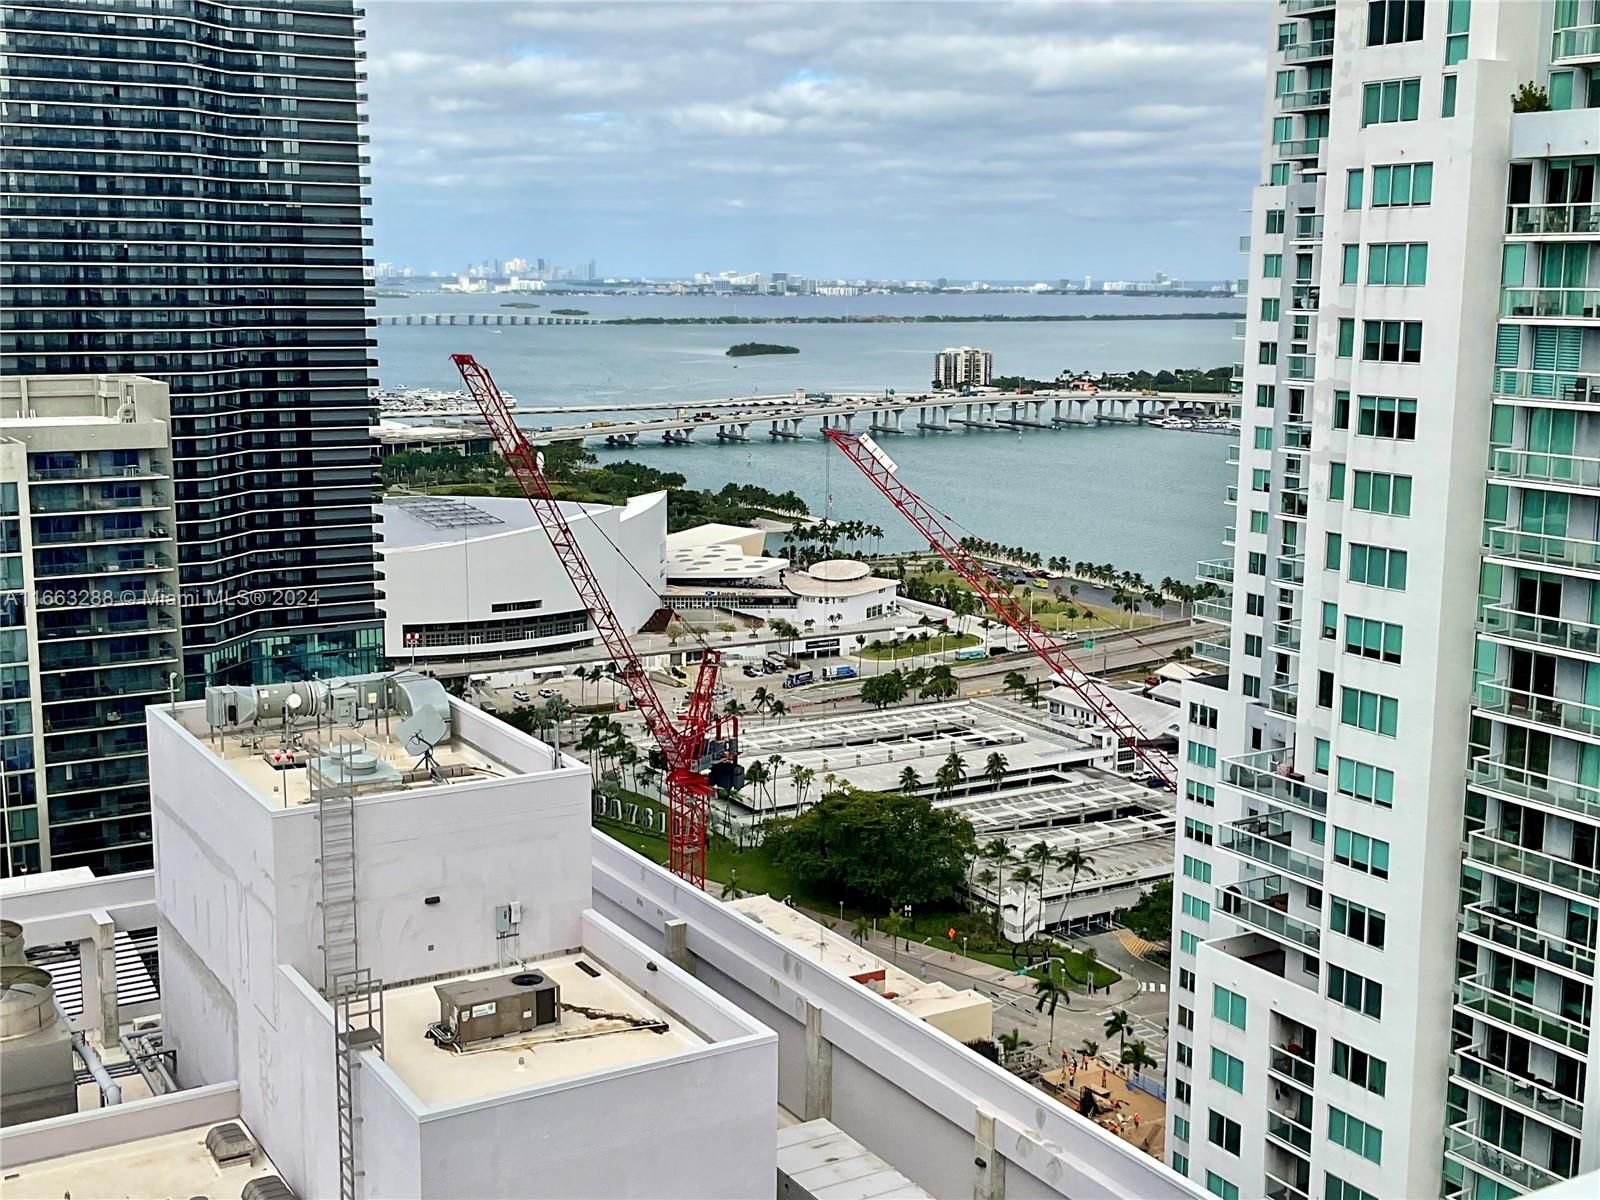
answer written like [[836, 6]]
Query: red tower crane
[[690, 745], [881, 470]]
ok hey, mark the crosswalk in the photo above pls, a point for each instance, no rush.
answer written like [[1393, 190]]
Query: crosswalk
[[1146, 985]]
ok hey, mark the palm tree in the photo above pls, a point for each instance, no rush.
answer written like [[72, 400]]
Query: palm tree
[[1039, 856], [757, 776], [1031, 694], [1136, 1057], [910, 781], [1024, 877], [734, 708], [985, 879], [1074, 860], [776, 709], [731, 889], [761, 699], [892, 925], [997, 851], [1049, 993], [1014, 681], [1090, 1047], [1119, 1025], [801, 778], [1013, 1042], [994, 768], [859, 929]]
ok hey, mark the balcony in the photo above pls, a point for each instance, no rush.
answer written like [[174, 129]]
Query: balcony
[[152, 470], [1478, 997], [1286, 636], [1233, 453], [1292, 504], [1555, 387], [1499, 698], [1302, 366], [1304, 298], [1215, 651], [1229, 536], [1231, 496], [1291, 569], [43, 502], [1555, 633], [1492, 775], [1300, 8], [1542, 549], [1300, 1071], [100, 564], [1296, 435], [1308, 227], [1284, 701], [1564, 471], [1481, 1155], [1218, 570], [1521, 863], [1263, 905], [1301, 52], [1238, 331], [1300, 148], [1300, 101], [1292, 1133], [1219, 611], [1267, 840], [1488, 924], [1550, 303], [1269, 775], [1277, 1189], [1553, 220], [1472, 1068], [1578, 44], [1237, 375]]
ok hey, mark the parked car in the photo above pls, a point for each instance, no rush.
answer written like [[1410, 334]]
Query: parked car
[[547, 693], [521, 697]]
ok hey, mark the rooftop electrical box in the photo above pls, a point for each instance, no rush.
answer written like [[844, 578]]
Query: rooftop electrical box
[[478, 1010]]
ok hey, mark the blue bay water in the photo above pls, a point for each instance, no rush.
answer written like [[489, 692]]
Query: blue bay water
[[1145, 499]]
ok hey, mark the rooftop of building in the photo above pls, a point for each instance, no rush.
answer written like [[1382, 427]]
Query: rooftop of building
[[721, 561], [1155, 718], [837, 578], [400, 433], [713, 533], [168, 1164], [422, 520], [604, 1024]]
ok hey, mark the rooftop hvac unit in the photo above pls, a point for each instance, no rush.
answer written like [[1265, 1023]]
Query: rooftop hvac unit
[[472, 1011], [229, 1142], [35, 1049], [267, 1187]]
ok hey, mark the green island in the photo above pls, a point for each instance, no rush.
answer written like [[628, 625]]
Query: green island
[[748, 349], [576, 474], [570, 312], [1181, 379], [518, 304]]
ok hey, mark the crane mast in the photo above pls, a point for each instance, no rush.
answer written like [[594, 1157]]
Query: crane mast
[[687, 744], [881, 471]]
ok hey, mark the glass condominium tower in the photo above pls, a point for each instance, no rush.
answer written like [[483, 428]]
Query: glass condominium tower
[[1388, 845], [182, 190]]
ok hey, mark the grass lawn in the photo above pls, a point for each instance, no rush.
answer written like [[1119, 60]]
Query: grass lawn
[[754, 869], [912, 648], [1049, 610]]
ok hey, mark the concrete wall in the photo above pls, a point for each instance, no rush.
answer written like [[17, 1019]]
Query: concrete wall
[[102, 1127], [901, 1088]]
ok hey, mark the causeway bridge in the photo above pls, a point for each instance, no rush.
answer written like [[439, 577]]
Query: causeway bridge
[[480, 319]]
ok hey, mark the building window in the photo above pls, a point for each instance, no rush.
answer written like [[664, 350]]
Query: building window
[[1400, 185], [1380, 492], [1218, 1186], [1252, 645], [1203, 715], [1267, 353], [1260, 479], [1369, 711], [1197, 908], [1266, 395], [1223, 1131], [1338, 1189], [1197, 831], [1369, 855], [1228, 1006], [1330, 619], [1358, 922], [1355, 1135], [1196, 868], [1227, 1070], [1269, 312], [1360, 1068], [1180, 1128], [1347, 337], [1272, 266], [1202, 794], [1189, 943], [1180, 1164], [1258, 521], [1341, 410], [1333, 547], [1390, 101], [1274, 220], [1378, 640], [1263, 436], [1350, 271], [1391, 341], [1202, 755], [1397, 264], [1458, 21], [1378, 566], [1392, 21], [1353, 180], [1255, 604], [1447, 97], [1278, 174], [1386, 417], [1250, 686], [1336, 481], [1365, 782]]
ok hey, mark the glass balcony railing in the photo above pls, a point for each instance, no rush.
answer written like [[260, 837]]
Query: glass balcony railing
[[1301, 52], [1268, 840], [1476, 995], [1523, 220], [1231, 496], [1233, 453], [1556, 633], [1214, 610], [1292, 1132], [1300, 148], [1216, 569], [1572, 716], [1287, 636], [1303, 298], [1528, 466], [151, 470], [1293, 1067], [1230, 536], [103, 565], [1510, 859], [1214, 651], [1291, 569], [1270, 775], [1485, 922], [1308, 227], [1484, 1155], [1472, 1067], [1299, 8], [1296, 435], [1300, 101], [1302, 366], [1284, 701], [1293, 504], [1277, 1189], [1542, 548], [1520, 784], [1550, 303], [1564, 387], [1581, 41], [1263, 905]]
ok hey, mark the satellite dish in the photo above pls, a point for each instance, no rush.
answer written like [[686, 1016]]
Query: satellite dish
[[422, 731]]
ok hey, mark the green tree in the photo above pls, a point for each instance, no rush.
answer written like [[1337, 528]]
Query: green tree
[[883, 690], [1091, 964], [757, 776], [1136, 1057], [1151, 917], [910, 781], [879, 848], [1014, 681], [1090, 1047], [860, 928], [941, 683], [892, 925], [994, 768], [1118, 1025], [1030, 693], [1014, 1042], [952, 771], [1074, 860], [1049, 993], [800, 779], [1024, 877]]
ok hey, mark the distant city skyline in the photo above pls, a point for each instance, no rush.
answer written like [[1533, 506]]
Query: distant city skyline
[[890, 141]]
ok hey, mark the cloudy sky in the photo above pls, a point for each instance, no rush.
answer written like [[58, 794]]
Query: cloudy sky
[[967, 139]]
